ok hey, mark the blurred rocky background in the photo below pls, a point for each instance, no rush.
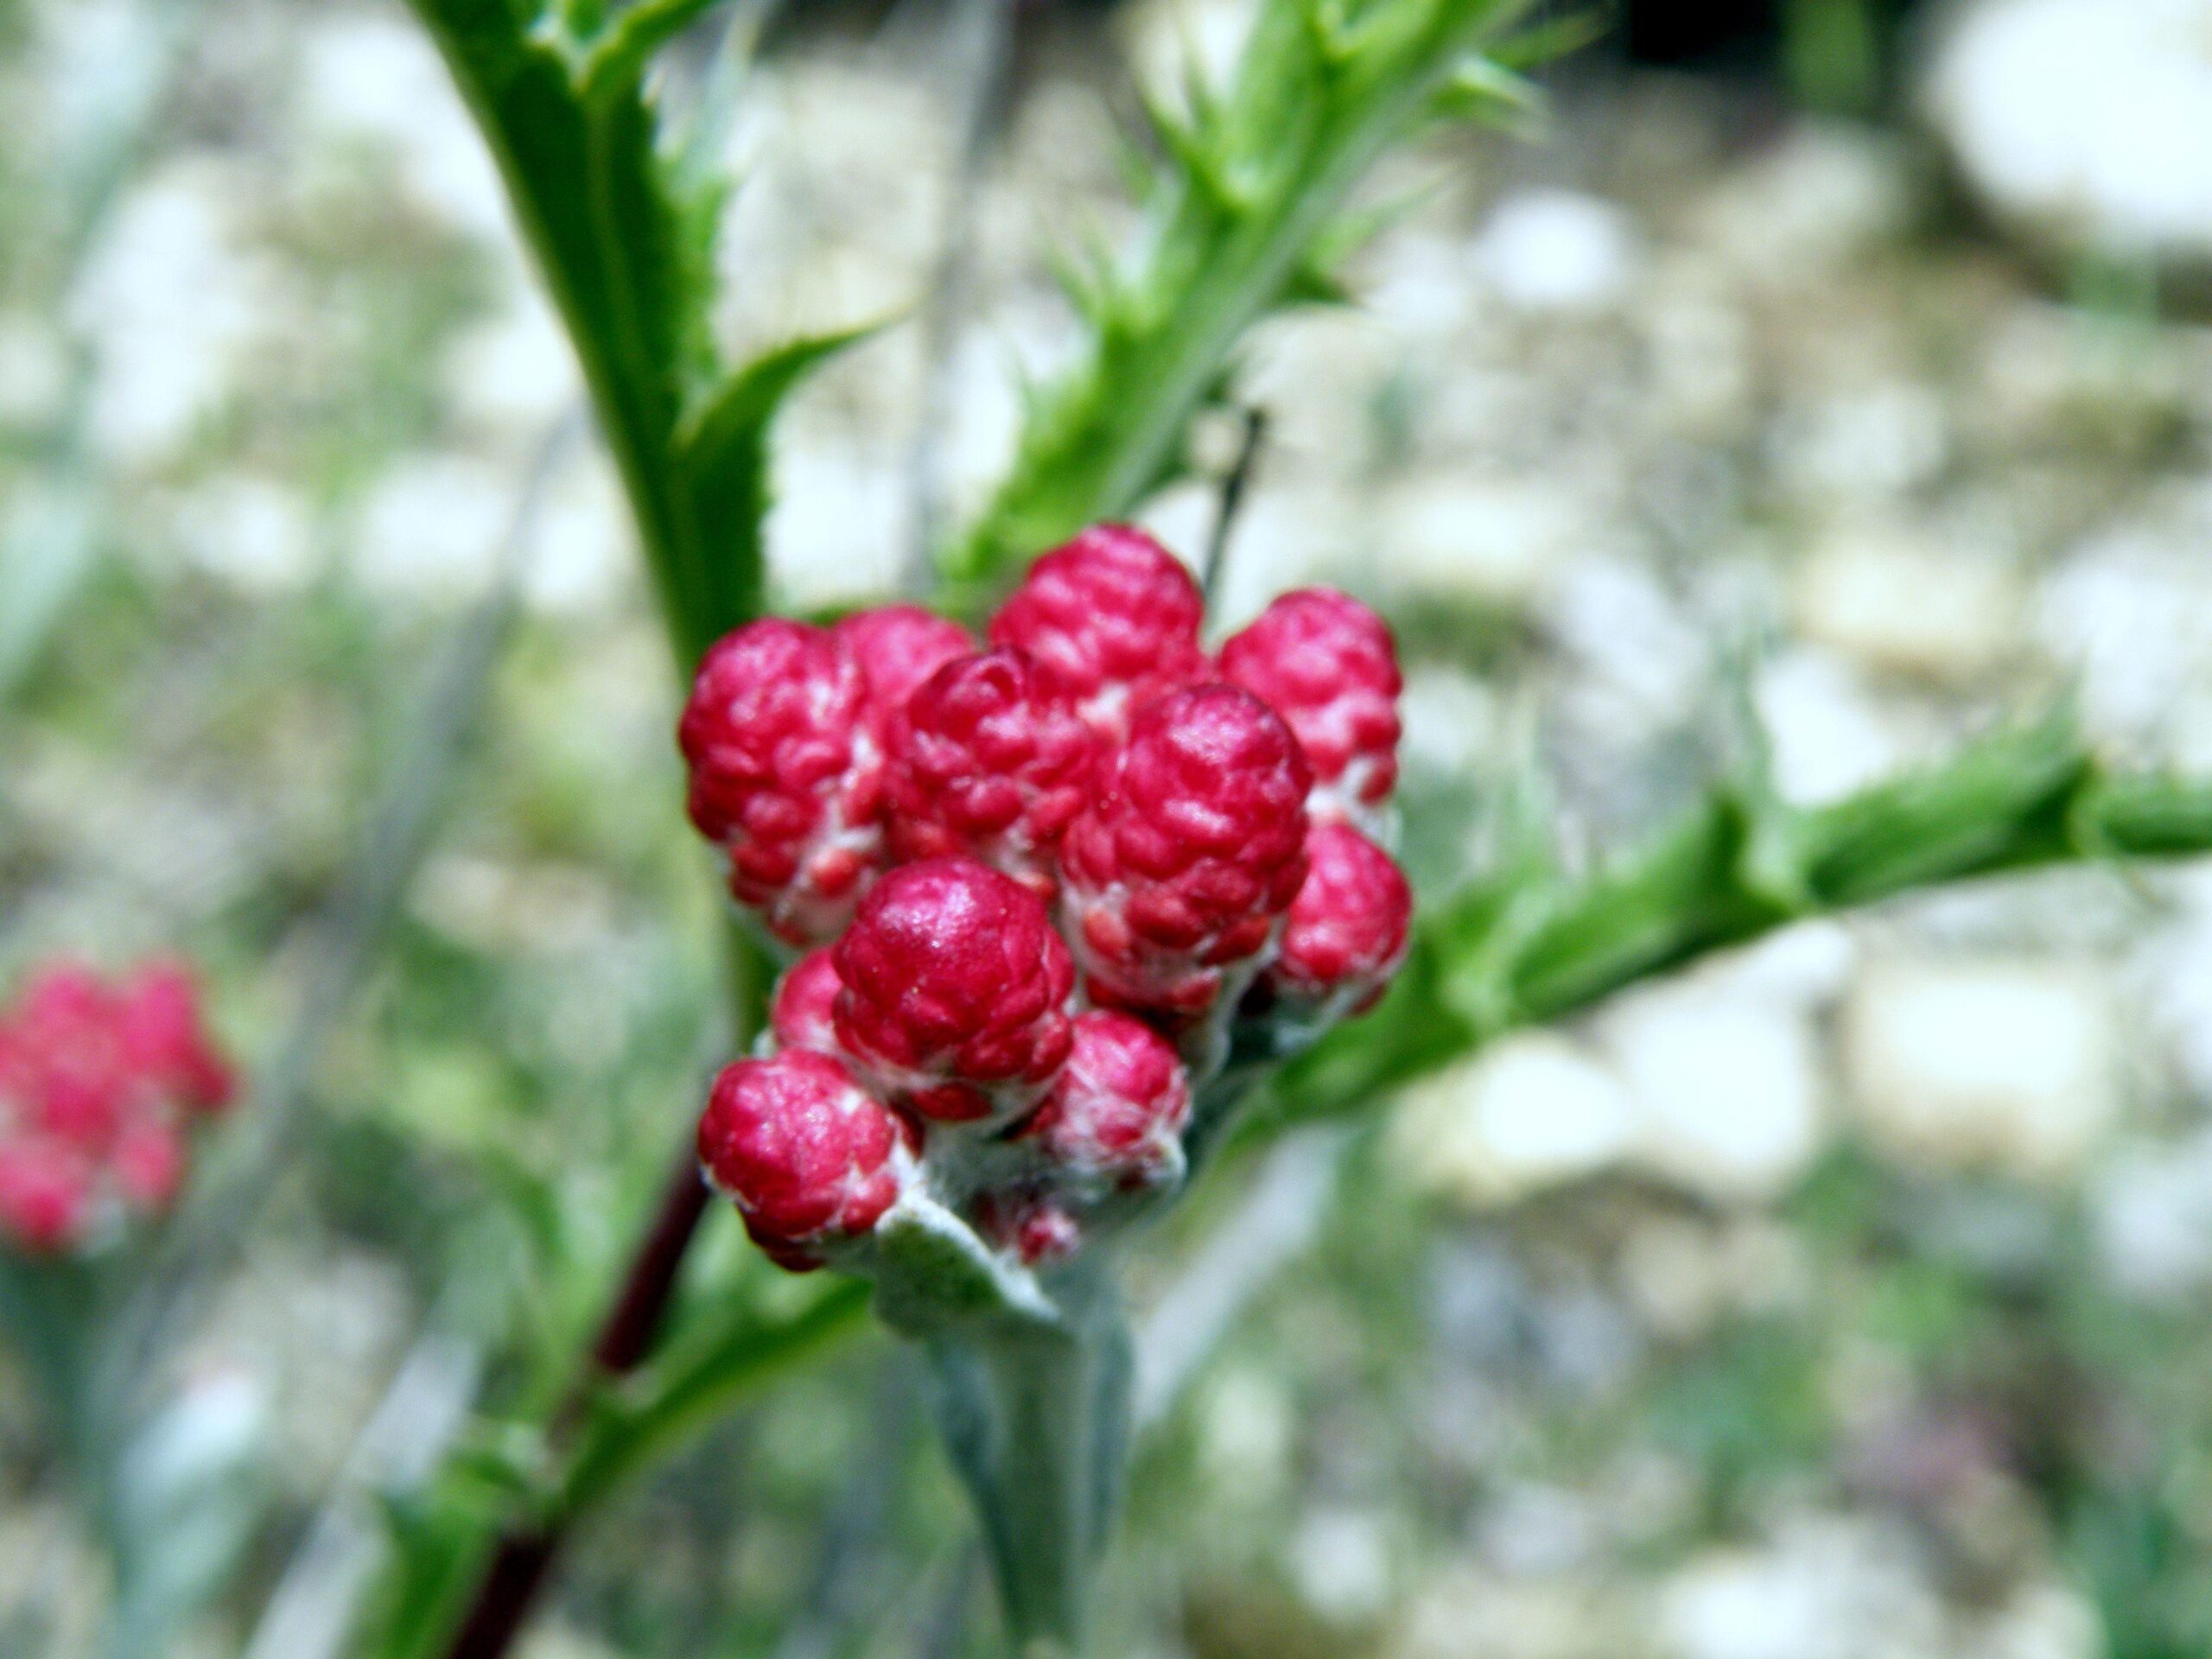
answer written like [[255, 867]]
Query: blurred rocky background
[[1842, 361]]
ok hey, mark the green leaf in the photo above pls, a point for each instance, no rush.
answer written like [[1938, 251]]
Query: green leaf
[[1247, 215], [623, 237], [1523, 945], [732, 1348], [721, 458]]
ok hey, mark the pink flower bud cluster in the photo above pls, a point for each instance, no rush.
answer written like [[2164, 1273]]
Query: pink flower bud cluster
[[1032, 881], [101, 1086]]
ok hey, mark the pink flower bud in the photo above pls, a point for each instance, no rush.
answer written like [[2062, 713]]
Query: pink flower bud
[[811, 1160], [989, 762], [802, 1015], [1116, 1116], [1113, 622], [1349, 927], [1035, 1229], [1328, 665], [897, 647], [45, 1195], [167, 1040], [1194, 846], [955, 989], [786, 774]]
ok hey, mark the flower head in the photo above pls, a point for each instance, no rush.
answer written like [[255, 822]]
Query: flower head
[[100, 1085], [1045, 889], [1112, 620]]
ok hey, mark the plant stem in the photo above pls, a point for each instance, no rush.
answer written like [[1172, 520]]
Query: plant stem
[[524, 1555], [522, 1558], [1037, 1421], [627, 1336]]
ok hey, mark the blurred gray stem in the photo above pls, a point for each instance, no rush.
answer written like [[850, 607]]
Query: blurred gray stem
[[311, 1614], [1037, 1421], [1281, 1211], [397, 835]]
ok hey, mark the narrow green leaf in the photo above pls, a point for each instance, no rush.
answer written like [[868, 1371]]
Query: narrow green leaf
[[623, 237], [2020, 799], [701, 1374], [720, 456], [621, 53]]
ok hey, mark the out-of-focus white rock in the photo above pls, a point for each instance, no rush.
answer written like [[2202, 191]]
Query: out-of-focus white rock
[[842, 216], [1502, 1615], [253, 532], [200, 1441], [171, 301], [1727, 1089], [1824, 734], [513, 375], [1703, 365], [34, 371], [1825, 196], [2172, 979], [1421, 288], [431, 528], [1639, 660], [542, 909], [1827, 1588], [2010, 1066], [981, 416], [1854, 448], [2045, 1621], [584, 554], [1450, 721], [2151, 1212], [2130, 614], [372, 78], [1908, 604], [2087, 124], [1492, 542], [1343, 1562], [1534, 1111], [1288, 535], [838, 532], [1246, 1430], [1686, 1276], [1801, 969], [1559, 251], [1167, 39]]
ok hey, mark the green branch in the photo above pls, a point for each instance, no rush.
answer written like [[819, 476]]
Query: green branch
[[1247, 215], [1532, 945]]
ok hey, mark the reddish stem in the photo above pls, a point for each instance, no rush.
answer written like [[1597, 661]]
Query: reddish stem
[[522, 1560], [628, 1335]]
